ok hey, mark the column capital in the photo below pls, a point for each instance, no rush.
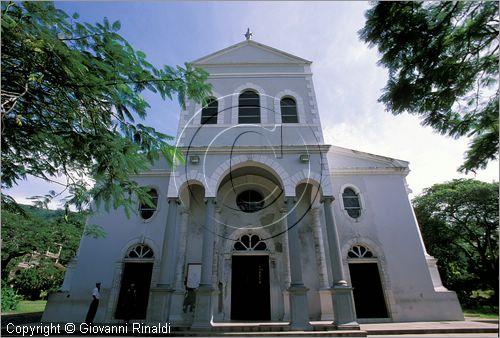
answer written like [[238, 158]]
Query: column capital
[[290, 199], [327, 199], [210, 199], [173, 199]]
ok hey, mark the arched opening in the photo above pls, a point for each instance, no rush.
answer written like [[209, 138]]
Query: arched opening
[[250, 292], [135, 283], [368, 292], [250, 200], [249, 107], [288, 110], [210, 111]]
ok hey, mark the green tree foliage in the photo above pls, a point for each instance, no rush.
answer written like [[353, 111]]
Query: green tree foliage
[[39, 230], [459, 224], [36, 282], [71, 98], [442, 59], [10, 299]]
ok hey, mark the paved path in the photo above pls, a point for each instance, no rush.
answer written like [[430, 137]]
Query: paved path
[[431, 327], [468, 328]]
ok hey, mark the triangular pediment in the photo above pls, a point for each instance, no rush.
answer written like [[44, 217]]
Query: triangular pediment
[[249, 52], [344, 158]]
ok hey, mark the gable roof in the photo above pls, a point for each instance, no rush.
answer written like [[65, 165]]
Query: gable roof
[[249, 52], [349, 161]]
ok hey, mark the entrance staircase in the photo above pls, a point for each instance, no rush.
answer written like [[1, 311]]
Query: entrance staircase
[[262, 329]]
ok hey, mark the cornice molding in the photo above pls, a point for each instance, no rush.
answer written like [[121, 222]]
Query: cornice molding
[[312, 149], [154, 173], [403, 171], [257, 75]]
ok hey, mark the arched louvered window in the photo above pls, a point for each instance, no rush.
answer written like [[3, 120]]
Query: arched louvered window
[[250, 243], [249, 107], [360, 251], [140, 251], [289, 110], [210, 111], [351, 203], [147, 211]]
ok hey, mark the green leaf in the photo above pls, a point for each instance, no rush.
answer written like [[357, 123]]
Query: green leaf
[[116, 25]]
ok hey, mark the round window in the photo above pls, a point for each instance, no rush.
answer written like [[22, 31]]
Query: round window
[[250, 201]]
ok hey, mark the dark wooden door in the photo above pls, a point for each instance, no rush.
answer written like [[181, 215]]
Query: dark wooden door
[[140, 275], [250, 291], [368, 294]]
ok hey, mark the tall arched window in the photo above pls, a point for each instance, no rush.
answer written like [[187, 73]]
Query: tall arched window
[[351, 203], [289, 110], [210, 111], [249, 107]]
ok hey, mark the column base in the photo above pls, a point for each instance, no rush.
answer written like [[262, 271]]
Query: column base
[[343, 307], [299, 308], [325, 301], [203, 310], [286, 306], [176, 316], [161, 303]]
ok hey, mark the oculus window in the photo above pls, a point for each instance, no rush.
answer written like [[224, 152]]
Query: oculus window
[[289, 110], [147, 210], [351, 203], [250, 201], [249, 107], [209, 112]]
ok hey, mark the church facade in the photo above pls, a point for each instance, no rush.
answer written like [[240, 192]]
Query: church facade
[[264, 221]]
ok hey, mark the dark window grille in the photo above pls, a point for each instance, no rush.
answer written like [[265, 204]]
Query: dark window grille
[[351, 203], [250, 201], [249, 107], [289, 110], [209, 112], [147, 211]]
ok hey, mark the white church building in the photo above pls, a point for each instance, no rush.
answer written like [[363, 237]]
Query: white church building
[[264, 221]]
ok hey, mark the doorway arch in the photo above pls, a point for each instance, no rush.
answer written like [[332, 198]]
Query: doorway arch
[[136, 274], [250, 279]]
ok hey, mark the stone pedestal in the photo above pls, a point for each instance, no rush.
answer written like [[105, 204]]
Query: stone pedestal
[[161, 296], [203, 310], [299, 320], [176, 317], [325, 300], [343, 307]]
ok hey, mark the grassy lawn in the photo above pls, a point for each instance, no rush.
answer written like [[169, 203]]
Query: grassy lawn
[[485, 313], [26, 306]]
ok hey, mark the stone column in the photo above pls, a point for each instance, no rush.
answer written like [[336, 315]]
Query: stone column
[[176, 314], [324, 289], [203, 309], [286, 268], [216, 266], [299, 308], [342, 297], [164, 288]]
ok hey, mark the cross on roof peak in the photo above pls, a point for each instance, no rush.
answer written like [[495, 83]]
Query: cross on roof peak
[[248, 34]]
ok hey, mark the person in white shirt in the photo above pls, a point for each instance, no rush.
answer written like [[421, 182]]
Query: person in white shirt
[[94, 304]]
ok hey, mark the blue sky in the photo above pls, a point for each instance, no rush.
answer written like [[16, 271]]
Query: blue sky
[[346, 77]]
